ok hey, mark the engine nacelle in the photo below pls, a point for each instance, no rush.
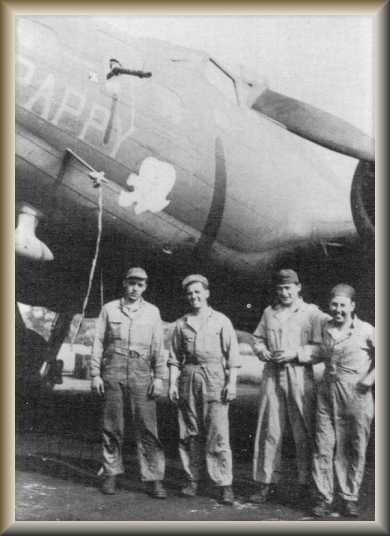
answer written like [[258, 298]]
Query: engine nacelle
[[363, 200]]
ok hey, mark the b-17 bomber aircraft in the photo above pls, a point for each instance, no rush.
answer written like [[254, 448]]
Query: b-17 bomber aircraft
[[134, 151]]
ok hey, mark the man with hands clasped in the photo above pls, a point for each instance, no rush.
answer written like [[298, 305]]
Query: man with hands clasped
[[203, 364], [127, 367], [286, 340]]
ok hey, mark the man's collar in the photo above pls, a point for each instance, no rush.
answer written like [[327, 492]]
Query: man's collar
[[352, 326], [277, 307], [131, 305], [209, 312]]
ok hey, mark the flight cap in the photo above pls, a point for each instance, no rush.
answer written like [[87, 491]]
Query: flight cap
[[136, 273], [286, 276], [342, 289], [195, 278]]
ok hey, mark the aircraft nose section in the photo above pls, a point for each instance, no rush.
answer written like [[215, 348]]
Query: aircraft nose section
[[27, 244]]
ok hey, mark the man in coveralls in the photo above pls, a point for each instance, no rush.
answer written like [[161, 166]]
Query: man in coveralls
[[205, 356], [286, 338], [345, 406], [127, 367]]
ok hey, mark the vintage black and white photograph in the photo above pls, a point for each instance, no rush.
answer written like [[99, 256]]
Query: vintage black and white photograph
[[195, 268]]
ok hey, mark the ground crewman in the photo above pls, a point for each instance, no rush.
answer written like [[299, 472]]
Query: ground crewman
[[127, 367], [204, 358], [345, 405], [286, 339]]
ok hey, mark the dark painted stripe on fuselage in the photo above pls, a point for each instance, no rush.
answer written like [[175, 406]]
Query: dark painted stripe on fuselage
[[108, 131], [217, 207]]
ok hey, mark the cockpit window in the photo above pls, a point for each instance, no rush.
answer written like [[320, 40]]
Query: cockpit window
[[222, 80]]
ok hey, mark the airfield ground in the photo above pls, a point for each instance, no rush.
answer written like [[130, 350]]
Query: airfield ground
[[57, 461]]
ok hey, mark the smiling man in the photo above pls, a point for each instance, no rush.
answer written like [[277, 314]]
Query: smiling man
[[344, 404], [203, 363], [287, 340], [127, 367]]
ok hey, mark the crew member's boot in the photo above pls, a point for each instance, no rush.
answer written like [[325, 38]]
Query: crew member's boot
[[190, 490], [262, 495], [109, 485], [227, 495], [157, 490]]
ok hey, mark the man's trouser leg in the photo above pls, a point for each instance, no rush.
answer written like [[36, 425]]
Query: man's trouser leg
[[218, 452], [150, 453], [269, 433], [352, 435], [113, 427], [324, 444], [191, 432], [300, 414]]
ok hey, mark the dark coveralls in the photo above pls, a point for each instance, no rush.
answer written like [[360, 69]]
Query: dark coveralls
[[344, 413], [204, 354], [127, 353]]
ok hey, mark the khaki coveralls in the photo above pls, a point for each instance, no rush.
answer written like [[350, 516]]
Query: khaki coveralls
[[344, 414], [204, 354], [287, 390], [127, 353]]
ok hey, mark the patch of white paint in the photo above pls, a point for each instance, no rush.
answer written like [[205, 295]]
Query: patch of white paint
[[150, 187]]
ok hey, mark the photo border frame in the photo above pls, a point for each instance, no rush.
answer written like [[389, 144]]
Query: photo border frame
[[8, 11]]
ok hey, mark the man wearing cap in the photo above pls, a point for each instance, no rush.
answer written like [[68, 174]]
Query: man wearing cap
[[345, 406], [286, 340], [203, 363], [127, 367]]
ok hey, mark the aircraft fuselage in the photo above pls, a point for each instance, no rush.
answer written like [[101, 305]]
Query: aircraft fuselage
[[155, 140]]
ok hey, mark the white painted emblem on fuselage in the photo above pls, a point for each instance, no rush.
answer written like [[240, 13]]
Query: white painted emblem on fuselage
[[150, 187]]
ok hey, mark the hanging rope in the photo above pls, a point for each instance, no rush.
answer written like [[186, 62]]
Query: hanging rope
[[101, 289], [98, 179]]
